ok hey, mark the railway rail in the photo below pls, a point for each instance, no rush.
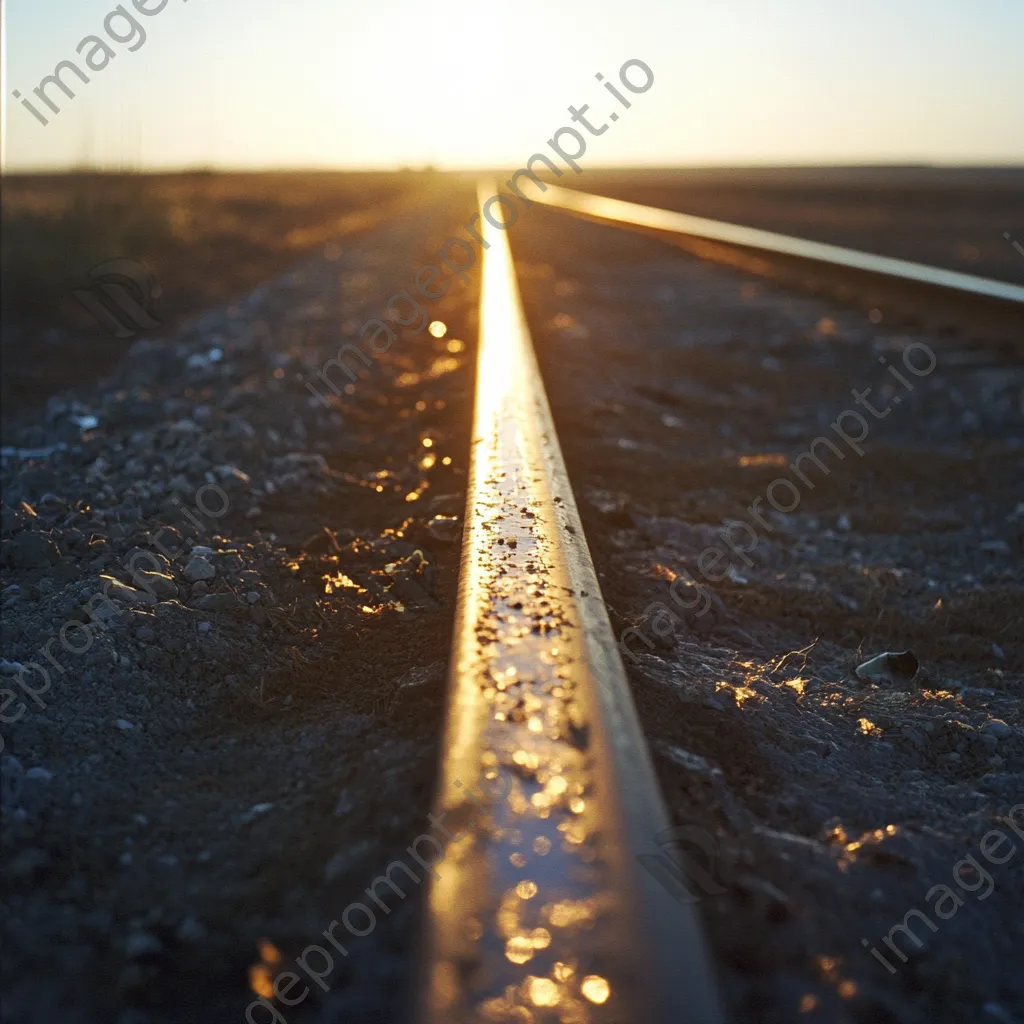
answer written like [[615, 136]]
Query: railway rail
[[542, 913], [543, 904], [948, 299]]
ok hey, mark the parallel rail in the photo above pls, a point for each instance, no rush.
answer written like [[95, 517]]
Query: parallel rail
[[540, 912], [964, 301]]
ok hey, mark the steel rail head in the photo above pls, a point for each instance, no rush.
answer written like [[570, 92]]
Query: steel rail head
[[541, 911], [637, 215]]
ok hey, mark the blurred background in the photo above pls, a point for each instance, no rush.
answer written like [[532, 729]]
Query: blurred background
[[153, 159]]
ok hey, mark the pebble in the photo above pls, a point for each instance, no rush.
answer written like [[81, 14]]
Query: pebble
[[199, 568], [995, 547], [160, 584], [444, 529], [256, 811], [124, 724], [118, 591], [31, 551], [998, 728], [204, 627]]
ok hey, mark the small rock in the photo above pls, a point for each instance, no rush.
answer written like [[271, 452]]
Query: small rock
[[843, 523], [444, 529], [204, 627], [124, 724], [684, 759], [199, 568], [889, 665], [32, 551], [256, 811], [158, 583], [998, 728], [998, 651], [995, 547], [118, 591]]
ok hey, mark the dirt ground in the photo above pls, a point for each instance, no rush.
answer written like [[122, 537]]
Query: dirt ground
[[206, 240], [193, 798], [681, 391], [232, 759]]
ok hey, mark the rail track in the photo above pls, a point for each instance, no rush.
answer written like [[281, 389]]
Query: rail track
[[542, 912]]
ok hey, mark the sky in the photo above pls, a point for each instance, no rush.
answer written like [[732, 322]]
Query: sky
[[478, 83]]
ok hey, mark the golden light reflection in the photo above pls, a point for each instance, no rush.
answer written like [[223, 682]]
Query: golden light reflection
[[261, 980], [563, 972], [542, 991], [762, 459], [596, 989], [442, 365], [829, 967], [261, 975], [526, 890], [437, 328], [567, 913], [519, 949], [339, 582], [455, 346]]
